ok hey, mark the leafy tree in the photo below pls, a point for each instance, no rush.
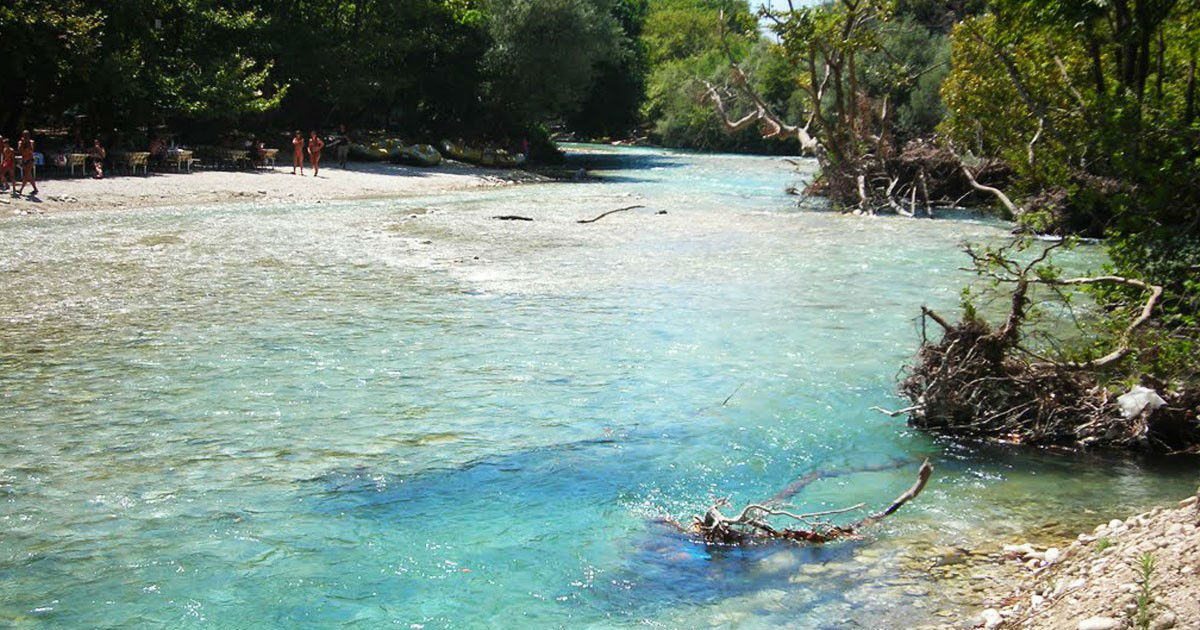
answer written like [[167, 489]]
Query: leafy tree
[[614, 101], [684, 47], [545, 54]]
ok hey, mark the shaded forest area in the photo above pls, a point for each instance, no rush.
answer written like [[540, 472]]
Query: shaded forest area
[[424, 68]]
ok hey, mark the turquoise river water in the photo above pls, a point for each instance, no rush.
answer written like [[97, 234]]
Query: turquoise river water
[[404, 413]]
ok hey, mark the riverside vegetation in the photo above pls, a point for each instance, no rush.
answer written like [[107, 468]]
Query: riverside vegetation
[[1072, 118]]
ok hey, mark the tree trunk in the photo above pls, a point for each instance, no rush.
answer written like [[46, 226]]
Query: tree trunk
[[1190, 97], [1097, 65]]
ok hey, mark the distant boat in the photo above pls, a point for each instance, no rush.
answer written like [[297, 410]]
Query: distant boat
[[498, 158], [419, 154]]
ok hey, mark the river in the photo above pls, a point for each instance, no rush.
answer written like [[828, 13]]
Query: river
[[405, 413]]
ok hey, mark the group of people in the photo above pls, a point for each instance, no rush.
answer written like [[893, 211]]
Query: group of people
[[24, 150], [315, 145], [8, 155]]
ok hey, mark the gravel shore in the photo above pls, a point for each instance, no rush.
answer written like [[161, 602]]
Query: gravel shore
[[1141, 572], [359, 181]]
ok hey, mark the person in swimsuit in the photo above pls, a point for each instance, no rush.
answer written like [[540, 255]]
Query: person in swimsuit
[[298, 153], [25, 149], [315, 144], [8, 179], [97, 155]]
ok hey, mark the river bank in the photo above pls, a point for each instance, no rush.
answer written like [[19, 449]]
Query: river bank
[[1139, 572], [360, 181]]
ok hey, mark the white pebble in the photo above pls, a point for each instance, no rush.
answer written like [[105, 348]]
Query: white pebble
[[1099, 623], [991, 618]]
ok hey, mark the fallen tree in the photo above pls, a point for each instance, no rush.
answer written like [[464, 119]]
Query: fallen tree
[[751, 525], [849, 130]]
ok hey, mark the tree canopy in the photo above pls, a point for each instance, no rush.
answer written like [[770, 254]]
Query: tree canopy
[[200, 66]]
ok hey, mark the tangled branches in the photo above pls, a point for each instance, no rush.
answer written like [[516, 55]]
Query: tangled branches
[[980, 380], [751, 526]]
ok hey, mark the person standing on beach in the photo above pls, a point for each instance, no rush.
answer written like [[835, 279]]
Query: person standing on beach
[[342, 142], [8, 180], [315, 144], [97, 154], [298, 153], [25, 149]]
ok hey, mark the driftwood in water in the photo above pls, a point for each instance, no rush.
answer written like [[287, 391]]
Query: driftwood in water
[[608, 213], [751, 526], [512, 217], [794, 488]]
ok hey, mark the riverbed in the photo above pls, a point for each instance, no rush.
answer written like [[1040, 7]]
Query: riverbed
[[407, 413]]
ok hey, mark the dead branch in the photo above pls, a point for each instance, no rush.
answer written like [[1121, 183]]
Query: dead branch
[[995, 192], [897, 412], [1036, 136], [730, 396], [608, 213], [923, 475], [1122, 348], [750, 525], [984, 381], [935, 317], [794, 488]]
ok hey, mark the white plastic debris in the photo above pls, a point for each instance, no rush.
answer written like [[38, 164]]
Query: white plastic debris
[[1137, 400]]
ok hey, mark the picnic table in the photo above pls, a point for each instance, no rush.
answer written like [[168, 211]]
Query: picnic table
[[238, 158], [182, 158], [131, 160]]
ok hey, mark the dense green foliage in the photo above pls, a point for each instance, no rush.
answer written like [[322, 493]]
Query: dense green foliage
[[203, 67], [1113, 88], [683, 49]]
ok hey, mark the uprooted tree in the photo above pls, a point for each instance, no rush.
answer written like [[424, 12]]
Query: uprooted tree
[[847, 125], [751, 524], [1017, 383]]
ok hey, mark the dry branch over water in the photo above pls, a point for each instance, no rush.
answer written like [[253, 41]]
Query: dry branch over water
[[750, 526]]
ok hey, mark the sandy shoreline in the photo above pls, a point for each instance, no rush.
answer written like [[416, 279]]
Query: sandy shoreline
[[358, 181]]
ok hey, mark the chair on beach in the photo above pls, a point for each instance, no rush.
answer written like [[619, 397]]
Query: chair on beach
[[182, 159], [76, 160], [134, 159]]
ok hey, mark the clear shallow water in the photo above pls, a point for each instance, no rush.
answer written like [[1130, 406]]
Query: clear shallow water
[[401, 412]]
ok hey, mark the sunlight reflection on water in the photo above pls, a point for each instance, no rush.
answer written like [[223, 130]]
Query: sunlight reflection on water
[[404, 411]]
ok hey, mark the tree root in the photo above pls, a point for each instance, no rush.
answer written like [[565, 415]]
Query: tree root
[[980, 381]]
